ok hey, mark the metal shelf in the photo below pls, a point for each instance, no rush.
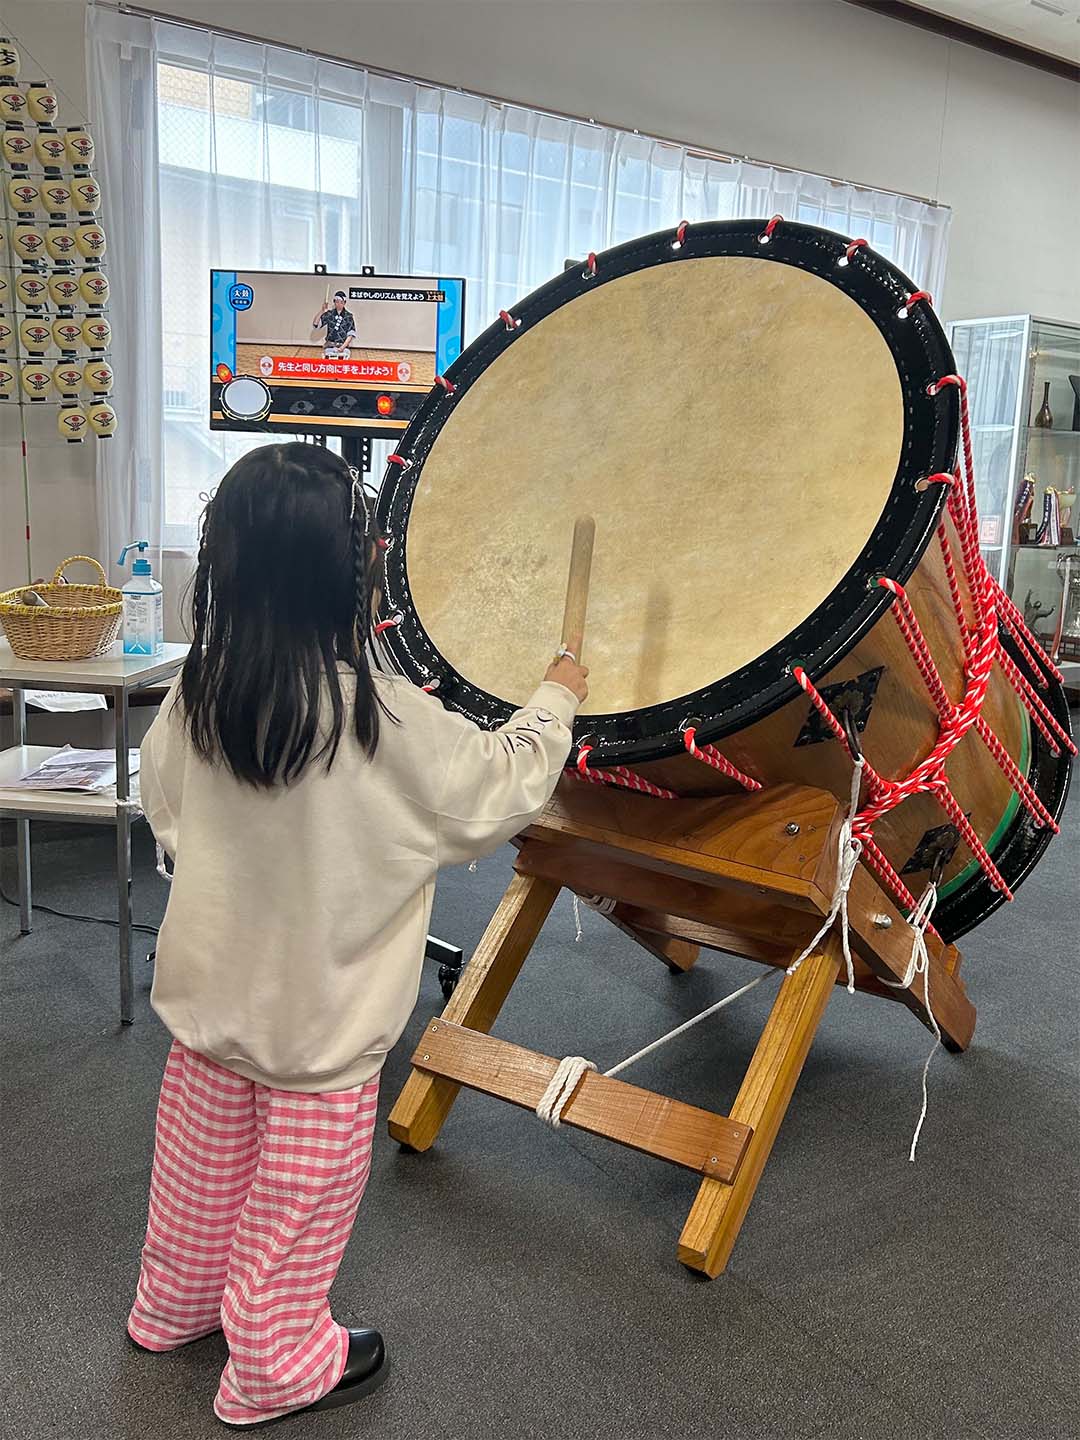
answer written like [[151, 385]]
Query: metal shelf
[[75, 805]]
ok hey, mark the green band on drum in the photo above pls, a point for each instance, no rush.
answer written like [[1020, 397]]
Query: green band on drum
[[1004, 825]]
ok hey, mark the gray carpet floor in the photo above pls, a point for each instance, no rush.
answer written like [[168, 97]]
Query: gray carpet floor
[[526, 1279]]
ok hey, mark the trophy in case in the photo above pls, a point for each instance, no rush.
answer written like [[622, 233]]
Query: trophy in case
[[1067, 640]]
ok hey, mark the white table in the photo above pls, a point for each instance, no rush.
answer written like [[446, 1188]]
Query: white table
[[113, 674]]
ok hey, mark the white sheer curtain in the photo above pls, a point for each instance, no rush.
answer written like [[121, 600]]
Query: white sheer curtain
[[121, 63], [268, 159]]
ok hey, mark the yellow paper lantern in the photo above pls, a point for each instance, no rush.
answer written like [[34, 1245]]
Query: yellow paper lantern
[[31, 288], [102, 418], [90, 241], [10, 63], [5, 288], [50, 149], [36, 380], [8, 379], [12, 103], [28, 241], [63, 289], [96, 332], [98, 376], [67, 332], [72, 422], [42, 102], [23, 194], [68, 377], [35, 333], [80, 146], [94, 287], [56, 196], [17, 147], [87, 193], [7, 333], [60, 242]]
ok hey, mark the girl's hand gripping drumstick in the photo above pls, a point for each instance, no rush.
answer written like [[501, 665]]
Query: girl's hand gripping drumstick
[[567, 669]]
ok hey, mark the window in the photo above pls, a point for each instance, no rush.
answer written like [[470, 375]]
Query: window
[[273, 160]]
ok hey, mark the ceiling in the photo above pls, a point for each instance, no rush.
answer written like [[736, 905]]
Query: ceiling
[[1052, 26]]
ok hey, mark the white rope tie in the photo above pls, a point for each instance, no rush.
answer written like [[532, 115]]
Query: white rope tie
[[848, 852], [568, 1076], [603, 904], [919, 964], [162, 868]]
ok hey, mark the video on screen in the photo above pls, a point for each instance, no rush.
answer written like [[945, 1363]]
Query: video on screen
[[330, 354]]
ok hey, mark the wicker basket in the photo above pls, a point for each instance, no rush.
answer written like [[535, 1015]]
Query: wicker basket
[[78, 622]]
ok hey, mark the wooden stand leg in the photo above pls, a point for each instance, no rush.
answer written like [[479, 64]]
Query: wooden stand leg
[[425, 1100], [718, 1210]]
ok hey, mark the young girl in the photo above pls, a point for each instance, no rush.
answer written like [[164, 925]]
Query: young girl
[[307, 804]]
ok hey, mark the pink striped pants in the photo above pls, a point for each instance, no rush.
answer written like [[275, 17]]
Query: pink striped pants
[[252, 1200]]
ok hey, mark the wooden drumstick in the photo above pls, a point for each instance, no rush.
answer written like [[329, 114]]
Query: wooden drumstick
[[577, 585]]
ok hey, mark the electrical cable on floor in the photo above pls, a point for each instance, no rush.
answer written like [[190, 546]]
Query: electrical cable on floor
[[70, 915]]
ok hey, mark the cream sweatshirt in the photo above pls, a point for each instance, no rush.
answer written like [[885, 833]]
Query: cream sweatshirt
[[294, 935]]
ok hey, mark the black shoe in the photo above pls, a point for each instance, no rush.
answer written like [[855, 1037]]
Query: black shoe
[[366, 1367]]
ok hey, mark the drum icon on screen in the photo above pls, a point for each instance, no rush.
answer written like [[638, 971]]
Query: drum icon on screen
[[245, 398], [404, 372], [266, 366]]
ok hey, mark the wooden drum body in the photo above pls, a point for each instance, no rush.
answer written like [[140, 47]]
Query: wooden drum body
[[747, 416]]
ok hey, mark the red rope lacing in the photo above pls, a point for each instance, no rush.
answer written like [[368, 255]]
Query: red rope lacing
[[711, 756], [617, 775], [766, 234], [983, 649]]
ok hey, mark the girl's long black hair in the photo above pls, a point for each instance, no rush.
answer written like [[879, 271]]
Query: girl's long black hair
[[282, 594]]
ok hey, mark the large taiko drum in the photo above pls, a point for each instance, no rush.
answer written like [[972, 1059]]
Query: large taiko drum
[[746, 411]]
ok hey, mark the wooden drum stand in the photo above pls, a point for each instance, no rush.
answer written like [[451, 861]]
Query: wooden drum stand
[[751, 875]]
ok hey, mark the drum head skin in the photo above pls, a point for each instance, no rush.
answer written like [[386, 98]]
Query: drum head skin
[[747, 424]]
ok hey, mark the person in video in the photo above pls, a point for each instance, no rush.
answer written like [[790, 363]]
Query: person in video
[[339, 325]]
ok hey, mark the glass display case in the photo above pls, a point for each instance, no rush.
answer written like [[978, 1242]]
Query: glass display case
[[1023, 377]]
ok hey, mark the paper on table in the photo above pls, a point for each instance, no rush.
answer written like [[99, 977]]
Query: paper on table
[[64, 700], [69, 769]]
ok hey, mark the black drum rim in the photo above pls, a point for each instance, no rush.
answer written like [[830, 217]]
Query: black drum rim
[[931, 422]]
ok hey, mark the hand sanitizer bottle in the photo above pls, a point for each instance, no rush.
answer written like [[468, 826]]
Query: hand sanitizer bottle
[[143, 624]]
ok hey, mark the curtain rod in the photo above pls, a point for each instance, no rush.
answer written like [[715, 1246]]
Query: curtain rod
[[696, 150]]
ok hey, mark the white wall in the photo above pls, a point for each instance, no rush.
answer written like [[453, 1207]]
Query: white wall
[[818, 85]]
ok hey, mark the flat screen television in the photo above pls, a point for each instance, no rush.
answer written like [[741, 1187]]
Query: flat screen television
[[328, 354]]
